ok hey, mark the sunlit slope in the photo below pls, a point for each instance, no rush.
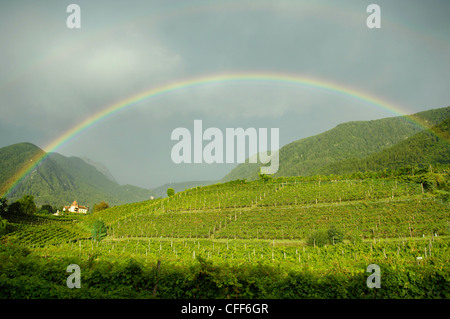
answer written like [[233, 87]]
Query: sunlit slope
[[284, 209], [352, 140], [427, 147]]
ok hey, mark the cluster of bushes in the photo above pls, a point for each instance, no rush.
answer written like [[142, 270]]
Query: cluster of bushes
[[23, 206], [324, 237], [25, 276], [3, 226]]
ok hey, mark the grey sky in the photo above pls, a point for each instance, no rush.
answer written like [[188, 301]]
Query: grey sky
[[51, 77]]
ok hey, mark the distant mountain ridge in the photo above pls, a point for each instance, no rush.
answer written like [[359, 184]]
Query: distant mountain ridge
[[101, 167], [59, 180], [357, 139]]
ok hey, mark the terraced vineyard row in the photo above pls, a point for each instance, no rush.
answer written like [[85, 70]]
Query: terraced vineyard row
[[404, 218], [287, 193], [122, 212], [389, 218], [212, 197], [243, 251], [46, 234], [333, 191]]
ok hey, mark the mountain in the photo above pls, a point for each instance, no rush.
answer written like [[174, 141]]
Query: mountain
[[427, 147], [102, 168], [357, 139], [59, 180]]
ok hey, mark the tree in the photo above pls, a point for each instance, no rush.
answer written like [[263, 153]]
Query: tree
[[28, 205], [335, 235], [3, 226], [99, 230], [25, 205], [99, 207], [46, 209], [318, 238], [264, 177], [15, 208], [170, 192], [324, 237], [3, 206]]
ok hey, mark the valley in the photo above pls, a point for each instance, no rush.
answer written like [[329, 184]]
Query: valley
[[319, 232], [382, 199]]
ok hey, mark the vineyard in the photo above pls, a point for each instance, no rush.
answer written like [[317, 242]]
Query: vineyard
[[248, 225]]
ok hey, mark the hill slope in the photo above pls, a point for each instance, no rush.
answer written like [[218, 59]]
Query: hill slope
[[289, 237], [348, 140], [161, 191], [419, 150], [59, 180], [99, 166]]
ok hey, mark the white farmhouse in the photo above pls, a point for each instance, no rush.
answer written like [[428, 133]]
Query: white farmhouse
[[75, 208]]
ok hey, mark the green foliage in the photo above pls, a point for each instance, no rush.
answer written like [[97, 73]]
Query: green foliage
[[3, 206], [14, 250], [3, 226], [170, 192], [319, 238], [99, 230], [27, 204], [23, 275], [420, 150], [324, 237], [335, 235], [47, 209], [161, 191], [15, 209], [264, 177], [101, 206]]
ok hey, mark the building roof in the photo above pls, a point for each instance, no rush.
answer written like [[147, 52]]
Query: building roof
[[76, 205]]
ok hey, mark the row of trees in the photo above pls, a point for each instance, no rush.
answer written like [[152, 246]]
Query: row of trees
[[25, 205]]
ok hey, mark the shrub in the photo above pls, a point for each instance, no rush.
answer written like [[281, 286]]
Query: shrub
[[170, 192], [3, 226], [335, 235], [101, 206], [319, 238], [99, 230]]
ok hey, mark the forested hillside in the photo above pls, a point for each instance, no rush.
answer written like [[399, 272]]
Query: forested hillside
[[427, 147], [59, 180], [345, 141]]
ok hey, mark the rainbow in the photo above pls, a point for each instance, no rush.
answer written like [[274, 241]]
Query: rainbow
[[201, 81]]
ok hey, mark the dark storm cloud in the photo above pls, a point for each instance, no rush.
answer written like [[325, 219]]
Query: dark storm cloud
[[52, 77]]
